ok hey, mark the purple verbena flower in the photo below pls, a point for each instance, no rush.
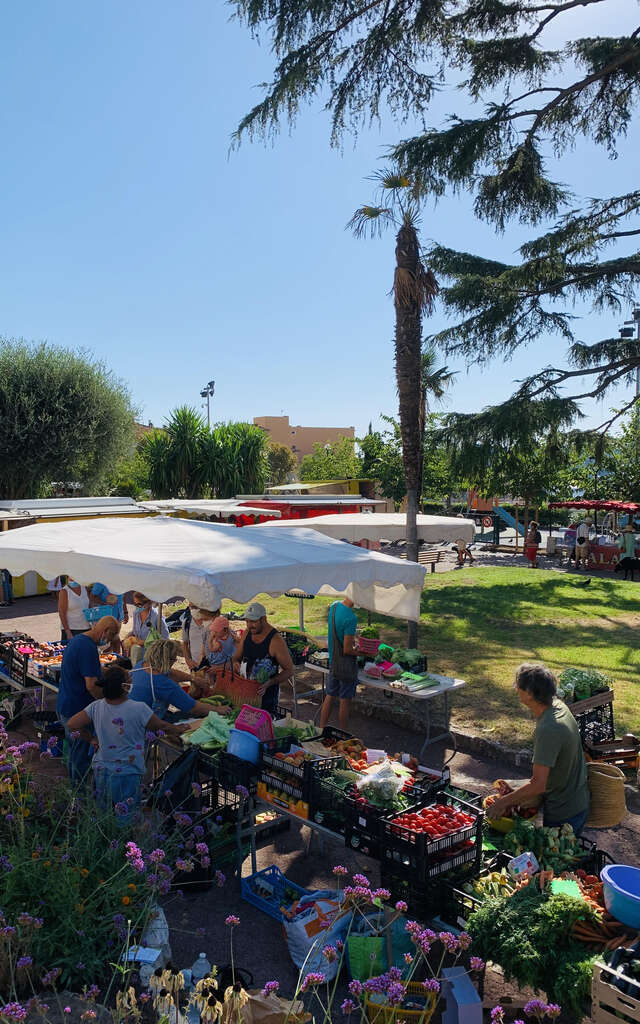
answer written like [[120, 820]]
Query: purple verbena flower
[[313, 978], [348, 1006], [232, 921], [476, 963], [431, 985], [271, 988]]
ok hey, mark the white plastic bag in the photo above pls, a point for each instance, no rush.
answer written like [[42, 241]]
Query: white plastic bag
[[321, 923], [382, 783]]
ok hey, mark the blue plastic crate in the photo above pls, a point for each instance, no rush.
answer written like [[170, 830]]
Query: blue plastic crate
[[273, 886]]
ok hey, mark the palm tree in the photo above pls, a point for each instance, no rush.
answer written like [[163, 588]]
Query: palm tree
[[187, 431], [154, 449], [414, 291], [434, 381]]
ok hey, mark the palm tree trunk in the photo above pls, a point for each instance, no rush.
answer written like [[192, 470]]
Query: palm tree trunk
[[408, 341]]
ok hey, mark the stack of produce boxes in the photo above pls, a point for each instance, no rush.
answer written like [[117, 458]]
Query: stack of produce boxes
[[286, 774], [421, 848]]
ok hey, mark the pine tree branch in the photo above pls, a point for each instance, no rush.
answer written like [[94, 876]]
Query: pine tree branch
[[606, 426], [577, 87], [555, 11]]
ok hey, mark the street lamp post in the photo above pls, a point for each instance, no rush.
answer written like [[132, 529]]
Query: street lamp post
[[631, 329], [207, 392]]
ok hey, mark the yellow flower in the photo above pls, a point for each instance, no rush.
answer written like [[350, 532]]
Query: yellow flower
[[126, 900], [80, 908], [25, 812], [101, 881], [84, 872], [47, 863], [35, 855], [131, 886]]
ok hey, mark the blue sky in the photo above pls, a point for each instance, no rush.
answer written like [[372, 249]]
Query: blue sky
[[129, 230]]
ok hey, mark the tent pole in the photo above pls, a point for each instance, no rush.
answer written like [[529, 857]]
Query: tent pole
[[301, 614]]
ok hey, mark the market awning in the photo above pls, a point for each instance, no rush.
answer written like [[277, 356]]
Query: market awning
[[597, 505], [207, 507], [385, 526], [207, 562]]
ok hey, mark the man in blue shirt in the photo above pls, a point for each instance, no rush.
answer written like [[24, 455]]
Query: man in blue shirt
[[342, 619], [78, 677]]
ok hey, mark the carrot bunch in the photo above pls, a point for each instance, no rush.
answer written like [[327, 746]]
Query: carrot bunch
[[606, 933]]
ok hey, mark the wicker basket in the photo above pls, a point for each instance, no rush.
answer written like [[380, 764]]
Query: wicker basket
[[608, 806]]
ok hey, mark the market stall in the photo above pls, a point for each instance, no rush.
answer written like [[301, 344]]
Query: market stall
[[206, 563], [386, 526], [604, 551]]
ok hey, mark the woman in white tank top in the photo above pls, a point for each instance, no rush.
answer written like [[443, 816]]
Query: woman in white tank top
[[72, 601]]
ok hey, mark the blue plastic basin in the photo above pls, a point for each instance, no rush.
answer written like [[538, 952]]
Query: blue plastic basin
[[244, 745], [621, 885]]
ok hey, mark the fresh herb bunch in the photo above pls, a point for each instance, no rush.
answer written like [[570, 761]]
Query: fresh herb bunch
[[529, 935]]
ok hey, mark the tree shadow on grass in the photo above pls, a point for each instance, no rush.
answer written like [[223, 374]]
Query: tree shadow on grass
[[568, 597]]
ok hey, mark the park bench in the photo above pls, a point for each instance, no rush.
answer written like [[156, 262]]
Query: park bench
[[430, 557]]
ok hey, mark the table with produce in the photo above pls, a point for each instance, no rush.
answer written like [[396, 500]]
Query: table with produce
[[397, 671]]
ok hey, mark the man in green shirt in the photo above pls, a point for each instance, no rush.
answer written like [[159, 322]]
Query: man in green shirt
[[559, 769], [343, 667]]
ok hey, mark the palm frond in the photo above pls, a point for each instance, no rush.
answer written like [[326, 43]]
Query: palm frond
[[370, 220]]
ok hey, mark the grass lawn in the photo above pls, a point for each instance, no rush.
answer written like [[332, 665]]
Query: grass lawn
[[481, 623]]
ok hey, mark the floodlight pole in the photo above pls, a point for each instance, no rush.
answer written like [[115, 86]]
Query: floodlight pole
[[207, 392]]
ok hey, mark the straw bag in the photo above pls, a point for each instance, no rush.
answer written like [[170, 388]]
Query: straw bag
[[608, 806]]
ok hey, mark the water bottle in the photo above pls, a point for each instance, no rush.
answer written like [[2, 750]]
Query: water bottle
[[200, 968]]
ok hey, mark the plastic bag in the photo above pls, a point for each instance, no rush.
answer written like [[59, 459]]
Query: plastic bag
[[307, 934], [381, 785]]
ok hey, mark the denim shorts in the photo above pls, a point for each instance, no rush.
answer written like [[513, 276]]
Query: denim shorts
[[338, 688], [577, 822]]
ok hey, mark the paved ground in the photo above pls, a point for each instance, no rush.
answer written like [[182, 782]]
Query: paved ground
[[197, 921]]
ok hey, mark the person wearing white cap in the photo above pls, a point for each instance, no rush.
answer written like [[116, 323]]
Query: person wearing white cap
[[261, 641], [627, 542], [582, 543]]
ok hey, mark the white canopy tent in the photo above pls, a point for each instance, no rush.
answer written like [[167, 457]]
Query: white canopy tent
[[207, 508], [384, 526], [206, 562]]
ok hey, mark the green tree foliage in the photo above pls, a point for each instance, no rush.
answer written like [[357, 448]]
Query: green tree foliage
[[624, 459], [186, 459], [63, 416], [529, 99], [130, 479], [282, 462], [382, 460], [336, 461], [439, 477]]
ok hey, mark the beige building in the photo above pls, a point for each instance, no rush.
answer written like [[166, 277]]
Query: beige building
[[300, 439]]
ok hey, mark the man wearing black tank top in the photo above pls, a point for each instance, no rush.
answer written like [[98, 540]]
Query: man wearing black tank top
[[262, 640]]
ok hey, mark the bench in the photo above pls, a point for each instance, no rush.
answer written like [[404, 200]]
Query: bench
[[430, 558]]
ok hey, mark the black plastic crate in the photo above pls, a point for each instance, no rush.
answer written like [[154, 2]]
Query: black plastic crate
[[361, 841], [368, 819], [469, 797], [426, 787], [19, 667], [331, 733], [297, 788], [300, 773], [415, 854], [279, 713], [327, 801], [596, 724], [232, 772]]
